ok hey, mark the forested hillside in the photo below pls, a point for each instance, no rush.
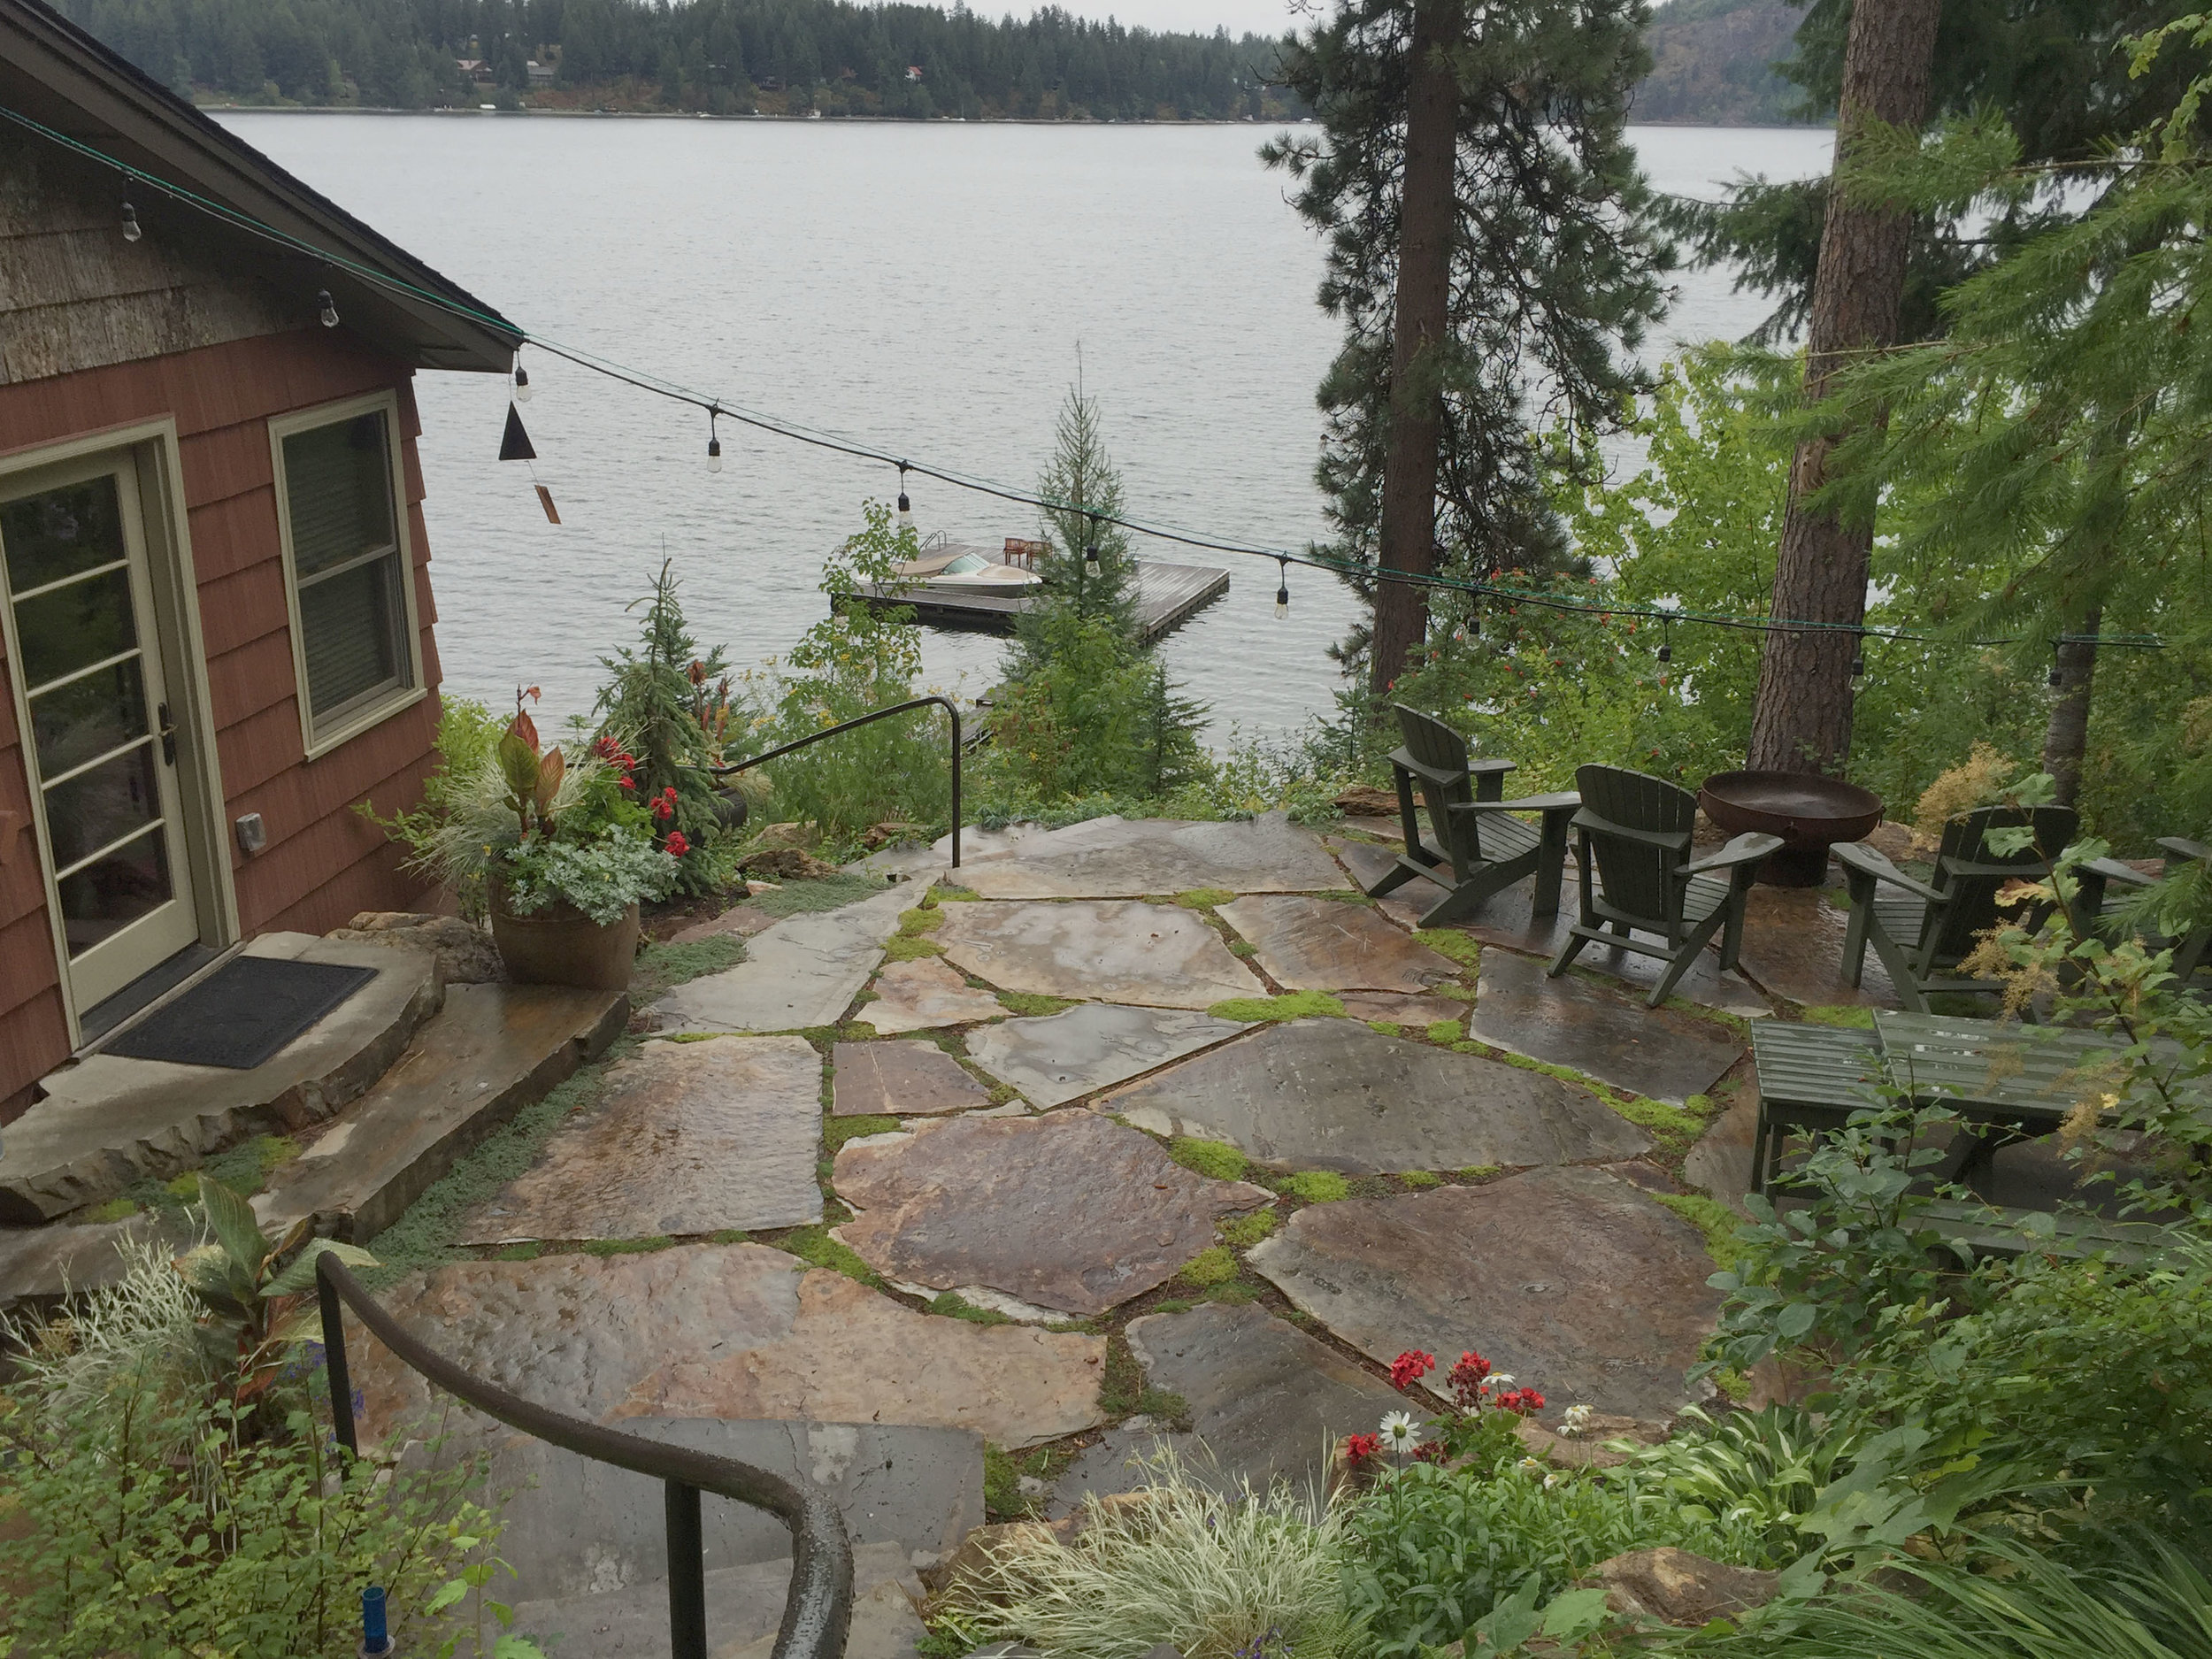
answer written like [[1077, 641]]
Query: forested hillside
[[724, 57], [1712, 63]]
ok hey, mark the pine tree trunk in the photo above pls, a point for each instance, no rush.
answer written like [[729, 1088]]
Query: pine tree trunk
[[1802, 719], [2066, 739], [1417, 331]]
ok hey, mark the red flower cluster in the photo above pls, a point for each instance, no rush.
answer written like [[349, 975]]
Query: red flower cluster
[[616, 756], [1430, 1452], [664, 803], [676, 846], [1467, 1378], [1526, 1401], [1409, 1367], [1362, 1449]]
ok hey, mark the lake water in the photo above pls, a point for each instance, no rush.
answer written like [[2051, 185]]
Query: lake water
[[929, 289]]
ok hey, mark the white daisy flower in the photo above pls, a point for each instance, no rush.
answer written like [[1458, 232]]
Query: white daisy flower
[[1550, 1481], [1530, 1466], [1574, 1421], [1499, 1380], [1398, 1432]]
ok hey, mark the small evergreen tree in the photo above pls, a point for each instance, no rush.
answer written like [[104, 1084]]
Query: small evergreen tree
[[1082, 474]]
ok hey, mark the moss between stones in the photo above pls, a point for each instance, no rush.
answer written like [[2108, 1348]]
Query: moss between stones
[[816, 1248], [911, 947], [952, 1305], [924, 919], [830, 892], [1316, 1187], [1235, 1293], [1419, 1179], [1464, 948], [668, 965], [1213, 1265], [114, 1210], [1444, 1030], [244, 1168], [1204, 898], [1296, 1005], [947, 893], [1244, 1231], [1033, 1006], [1382, 1026], [1481, 1172], [837, 1131], [1003, 1499], [1123, 1393], [1714, 1219], [518, 1252], [625, 1247], [1674, 1125], [1215, 1158]]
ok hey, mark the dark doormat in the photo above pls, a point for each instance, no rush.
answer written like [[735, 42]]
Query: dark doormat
[[242, 1013]]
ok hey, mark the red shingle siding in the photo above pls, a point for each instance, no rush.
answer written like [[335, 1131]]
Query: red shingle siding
[[323, 862]]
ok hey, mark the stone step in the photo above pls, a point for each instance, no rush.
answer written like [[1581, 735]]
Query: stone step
[[108, 1121], [493, 1049]]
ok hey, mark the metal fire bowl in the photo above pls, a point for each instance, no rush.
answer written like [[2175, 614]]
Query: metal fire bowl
[[1809, 813]]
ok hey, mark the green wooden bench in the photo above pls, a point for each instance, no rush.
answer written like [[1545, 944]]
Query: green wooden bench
[[1811, 1079]]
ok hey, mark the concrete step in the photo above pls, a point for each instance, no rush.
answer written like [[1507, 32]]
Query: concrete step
[[107, 1121], [490, 1051]]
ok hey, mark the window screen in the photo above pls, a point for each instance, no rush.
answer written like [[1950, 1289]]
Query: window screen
[[347, 562]]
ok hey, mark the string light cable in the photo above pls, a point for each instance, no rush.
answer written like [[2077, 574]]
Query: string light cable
[[721, 409]]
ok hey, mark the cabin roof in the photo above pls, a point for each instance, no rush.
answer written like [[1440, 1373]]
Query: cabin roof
[[61, 77]]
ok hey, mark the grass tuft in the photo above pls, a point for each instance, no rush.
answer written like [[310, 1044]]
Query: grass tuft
[[1844, 1016], [1295, 1005], [1384, 1028], [1032, 1006], [952, 1305], [1204, 898], [1444, 1030], [837, 1131], [1482, 1171], [816, 1248], [1244, 1231], [1316, 1187], [830, 892], [661, 966], [1215, 1158], [1464, 949], [1122, 1391]]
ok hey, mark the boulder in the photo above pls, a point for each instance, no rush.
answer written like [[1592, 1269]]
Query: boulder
[[465, 952], [786, 863], [1674, 1586], [890, 834]]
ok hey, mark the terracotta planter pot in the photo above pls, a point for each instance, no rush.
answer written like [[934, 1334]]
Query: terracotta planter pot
[[560, 945]]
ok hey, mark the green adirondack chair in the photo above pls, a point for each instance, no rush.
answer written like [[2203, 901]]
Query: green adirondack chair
[[1479, 847], [1923, 930], [1633, 844], [2100, 878]]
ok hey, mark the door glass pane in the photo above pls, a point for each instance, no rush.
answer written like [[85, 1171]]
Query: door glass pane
[[103, 805], [338, 491], [350, 627], [89, 716], [72, 626], [106, 897], [52, 535]]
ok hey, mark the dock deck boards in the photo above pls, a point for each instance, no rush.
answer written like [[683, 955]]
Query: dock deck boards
[[1167, 595]]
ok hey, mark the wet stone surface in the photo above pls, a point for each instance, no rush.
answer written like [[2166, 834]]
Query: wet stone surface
[[1309, 944], [1792, 946], [901, 1079], [924, 993], [1069, 1212], [1063, 1056], [725, 1331], [1332, 1094], [1659, 1052], [686, 1137], [1394, 1009], [1115, 857], [1572, 1279], [802, 971], [1159, 956]]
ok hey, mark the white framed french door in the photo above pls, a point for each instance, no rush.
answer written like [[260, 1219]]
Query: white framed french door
[[99, 720]]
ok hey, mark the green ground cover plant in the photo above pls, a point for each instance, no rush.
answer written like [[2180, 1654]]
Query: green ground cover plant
[[662, 966], [824, 893], [1316, 1187], [1215, 1158], [1291, 1005]]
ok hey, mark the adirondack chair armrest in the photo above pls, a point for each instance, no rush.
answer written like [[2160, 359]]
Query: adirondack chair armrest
[[2113, 870], [1666, 841], [1859, 857], [1565, 801], [1746, 848], [2182, 848], [1477, 768]]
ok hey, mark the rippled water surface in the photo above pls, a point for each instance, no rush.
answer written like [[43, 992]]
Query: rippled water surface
[[925, 289]]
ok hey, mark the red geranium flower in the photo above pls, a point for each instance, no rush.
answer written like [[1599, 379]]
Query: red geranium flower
[[1430, 1452], [1362, 1449], [1466, 1380], [678, 847], [1409, 1367], [1526, 1401]]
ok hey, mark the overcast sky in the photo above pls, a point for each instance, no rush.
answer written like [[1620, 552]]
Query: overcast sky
[[1239, 17]]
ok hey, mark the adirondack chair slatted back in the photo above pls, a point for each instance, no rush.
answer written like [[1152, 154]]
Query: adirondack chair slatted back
[[1434, 745], [1952, 929], [1641, 878]]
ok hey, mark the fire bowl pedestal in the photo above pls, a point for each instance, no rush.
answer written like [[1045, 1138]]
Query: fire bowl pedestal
[[1810, 813]]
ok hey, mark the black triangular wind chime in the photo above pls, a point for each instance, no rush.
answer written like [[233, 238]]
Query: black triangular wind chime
[[515, 445]]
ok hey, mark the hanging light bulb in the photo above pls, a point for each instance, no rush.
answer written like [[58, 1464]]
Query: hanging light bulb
[[1282, 588], [906, 507], [131, 233], [1090, 546], [522, 381], [1858, 667], [714, 444], [326, 309]]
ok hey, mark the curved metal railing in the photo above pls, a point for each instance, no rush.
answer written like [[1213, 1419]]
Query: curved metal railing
[[869, 718], [817, 1610]]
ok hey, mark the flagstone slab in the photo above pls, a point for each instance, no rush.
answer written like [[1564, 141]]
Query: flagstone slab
[[1160, 956], [1063, 1056], [1116, 858], [922, 994], [1395, 1008], [1792, 946], [1572, 1279], [686, 1137], [1659, 1052], [1069, 1213], [900, 1079], [1310, 944], [1334, 1094], [725, 1331], [1267, 1399], [802, 971]]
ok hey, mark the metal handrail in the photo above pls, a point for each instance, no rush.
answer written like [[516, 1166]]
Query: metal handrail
[[816, 1612], [846, 725]]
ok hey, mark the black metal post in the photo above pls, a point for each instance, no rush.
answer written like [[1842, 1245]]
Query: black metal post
[[334, 1369], [781, 749], [955, 784], [686, 1573]]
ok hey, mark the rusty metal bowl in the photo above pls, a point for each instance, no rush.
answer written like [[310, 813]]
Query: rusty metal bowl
[[1810, 813]]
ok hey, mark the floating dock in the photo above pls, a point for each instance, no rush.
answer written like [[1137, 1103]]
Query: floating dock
[[1167, 596]]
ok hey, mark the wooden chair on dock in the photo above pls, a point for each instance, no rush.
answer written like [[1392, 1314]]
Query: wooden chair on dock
[[1637, 876], [1479, 847]]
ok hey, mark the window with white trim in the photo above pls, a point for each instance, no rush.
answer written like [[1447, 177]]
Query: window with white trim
[[348, 564]]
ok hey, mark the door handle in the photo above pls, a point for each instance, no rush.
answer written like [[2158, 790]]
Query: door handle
[[168, 736]]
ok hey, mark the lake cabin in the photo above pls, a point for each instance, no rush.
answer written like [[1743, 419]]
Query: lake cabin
[[215, 604]]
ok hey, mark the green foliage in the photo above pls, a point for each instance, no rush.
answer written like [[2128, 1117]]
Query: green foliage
[[1241, 1232], [1715, 1220], [1031, 1005], [244, 1168], [1215, 1158], [1213, 1265], [814, 1246], [1766, 1468], [1443, 1031], [910, 948], [1294, 1006], [837, 1131], [672, 963], [1464, 948], [1436, 1549], [1316, 1187], [1419, 1179], [825, 893], [1205, 898], [1086, 712], [951, 1305]]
